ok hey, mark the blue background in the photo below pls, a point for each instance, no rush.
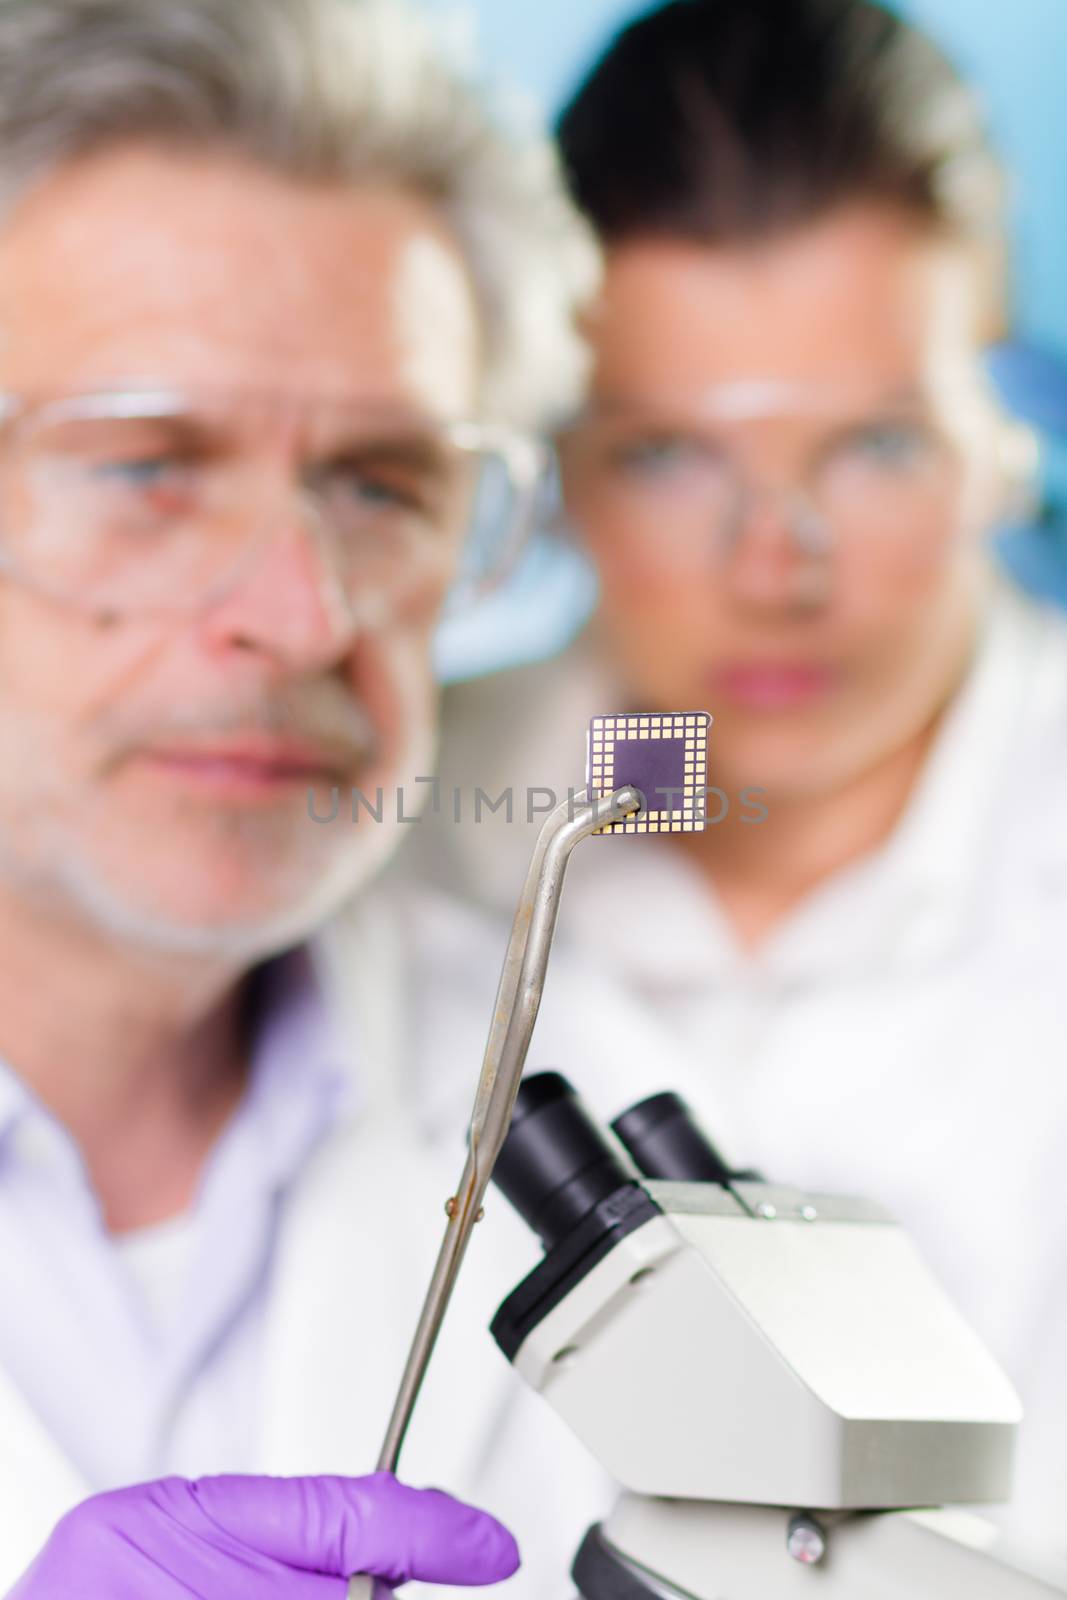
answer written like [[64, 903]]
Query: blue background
[[1015, 51]]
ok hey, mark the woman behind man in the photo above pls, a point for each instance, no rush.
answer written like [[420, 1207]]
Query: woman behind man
[[785, 477]]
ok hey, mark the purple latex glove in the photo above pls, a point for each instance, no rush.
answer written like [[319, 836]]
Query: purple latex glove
[[264, 1539]]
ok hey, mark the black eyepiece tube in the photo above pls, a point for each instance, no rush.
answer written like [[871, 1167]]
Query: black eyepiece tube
[[556, 1163], [666, 1142]]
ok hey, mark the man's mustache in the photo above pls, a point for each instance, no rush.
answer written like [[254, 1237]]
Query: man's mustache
[[322, 714]]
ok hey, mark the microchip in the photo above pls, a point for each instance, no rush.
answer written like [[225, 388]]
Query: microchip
[[665, 755]]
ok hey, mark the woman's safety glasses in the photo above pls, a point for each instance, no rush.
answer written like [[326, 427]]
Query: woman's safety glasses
[[840, 469]]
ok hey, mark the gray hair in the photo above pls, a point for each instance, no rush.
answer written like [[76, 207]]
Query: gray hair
[[330, 90]]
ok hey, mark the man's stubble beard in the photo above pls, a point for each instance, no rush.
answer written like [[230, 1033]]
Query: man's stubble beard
[[49, 863]]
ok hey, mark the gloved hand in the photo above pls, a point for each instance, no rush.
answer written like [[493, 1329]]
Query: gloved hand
[[264, 1539]]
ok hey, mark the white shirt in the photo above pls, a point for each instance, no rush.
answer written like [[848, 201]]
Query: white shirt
[[903, 1032], [159, 1259], [142, 1352]]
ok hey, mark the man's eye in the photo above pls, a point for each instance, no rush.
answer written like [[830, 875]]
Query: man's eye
[[380, 491], [366, 488], [150, 472]]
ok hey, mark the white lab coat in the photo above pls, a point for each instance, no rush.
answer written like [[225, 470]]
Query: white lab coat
[[357, 1242]]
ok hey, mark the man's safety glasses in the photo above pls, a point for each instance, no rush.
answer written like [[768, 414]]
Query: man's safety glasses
[[154, 500]]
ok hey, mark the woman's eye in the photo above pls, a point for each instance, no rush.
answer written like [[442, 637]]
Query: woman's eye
[[894, 445], [658, 457]]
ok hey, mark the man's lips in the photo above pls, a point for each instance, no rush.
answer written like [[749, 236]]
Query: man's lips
[[773, 685], [251, 764]]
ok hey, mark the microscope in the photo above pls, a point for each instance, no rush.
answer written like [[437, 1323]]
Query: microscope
[[774, 1377]]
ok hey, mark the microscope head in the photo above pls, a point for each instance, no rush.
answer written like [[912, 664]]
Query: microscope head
[[711, 1336]]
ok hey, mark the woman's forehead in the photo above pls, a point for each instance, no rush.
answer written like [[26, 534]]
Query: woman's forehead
[[860, 295], [746, 404], [759, 397]]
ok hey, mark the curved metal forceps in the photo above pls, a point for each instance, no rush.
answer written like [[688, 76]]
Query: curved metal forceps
[[518, 1000]]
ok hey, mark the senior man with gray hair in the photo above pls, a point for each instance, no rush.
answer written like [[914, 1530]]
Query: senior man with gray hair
[[278, 299]]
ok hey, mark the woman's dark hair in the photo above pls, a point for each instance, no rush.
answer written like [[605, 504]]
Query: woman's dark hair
[[722, 121]]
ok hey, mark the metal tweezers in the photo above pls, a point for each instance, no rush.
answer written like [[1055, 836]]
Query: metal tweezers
[[518, 1000]]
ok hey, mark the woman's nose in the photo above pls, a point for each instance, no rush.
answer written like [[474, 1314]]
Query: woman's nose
[[778, 549]]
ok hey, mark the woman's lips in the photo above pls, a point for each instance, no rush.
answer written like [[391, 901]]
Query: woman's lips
[[772, 685]]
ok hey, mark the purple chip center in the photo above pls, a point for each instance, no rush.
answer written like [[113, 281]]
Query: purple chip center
[[654, 766]]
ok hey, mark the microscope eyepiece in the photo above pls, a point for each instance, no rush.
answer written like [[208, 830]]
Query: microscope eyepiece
[[666, 1141], [556, 1163]]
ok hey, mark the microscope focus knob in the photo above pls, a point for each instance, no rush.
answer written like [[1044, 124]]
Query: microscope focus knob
[[805, 1539]]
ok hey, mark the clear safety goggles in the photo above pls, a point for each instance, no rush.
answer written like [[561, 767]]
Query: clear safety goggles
[[151, 499], [839, 467]]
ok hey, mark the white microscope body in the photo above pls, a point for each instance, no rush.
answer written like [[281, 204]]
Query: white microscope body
[[774, 1377]]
